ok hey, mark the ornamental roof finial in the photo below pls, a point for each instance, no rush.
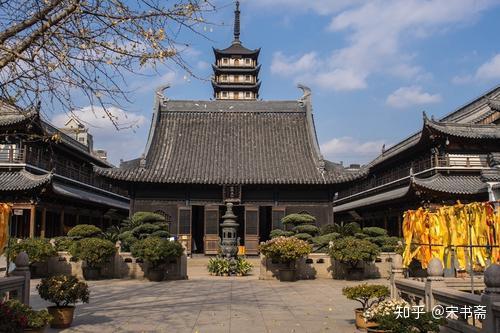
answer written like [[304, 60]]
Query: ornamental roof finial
[[237, 23]]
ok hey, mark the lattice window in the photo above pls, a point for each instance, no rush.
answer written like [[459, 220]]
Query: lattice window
[[185, 221], [232, 193], [212, 222], [252, 222], [277, 215]]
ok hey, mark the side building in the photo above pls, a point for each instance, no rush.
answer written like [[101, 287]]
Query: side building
[[49, 178], [453, 158]]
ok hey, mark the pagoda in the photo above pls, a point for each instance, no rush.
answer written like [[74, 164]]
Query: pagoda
[[236, 69]]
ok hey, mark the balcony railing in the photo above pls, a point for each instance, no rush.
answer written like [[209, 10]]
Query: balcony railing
[[12, 155]]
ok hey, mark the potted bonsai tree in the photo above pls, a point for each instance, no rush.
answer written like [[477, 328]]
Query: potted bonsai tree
[[39, 250], [84, 231], [64, 292], [33, 321], [367, 295], [351, 251], [94, 252], [156, 251], [286, 250]]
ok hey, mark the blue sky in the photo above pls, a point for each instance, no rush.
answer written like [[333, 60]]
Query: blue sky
[[373, 66]]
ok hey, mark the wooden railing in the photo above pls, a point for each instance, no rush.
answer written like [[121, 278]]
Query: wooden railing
[[12, 155]]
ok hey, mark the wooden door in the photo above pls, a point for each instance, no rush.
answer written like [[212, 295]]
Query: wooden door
[[277, 214], [211, 237], [184, 227], [251, 230]]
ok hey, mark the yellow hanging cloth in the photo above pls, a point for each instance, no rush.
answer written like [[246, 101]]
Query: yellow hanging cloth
[[4, 225]]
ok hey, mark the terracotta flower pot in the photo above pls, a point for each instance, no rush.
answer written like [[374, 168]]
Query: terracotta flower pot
[[287, 274], [360, 320], [62, 316]]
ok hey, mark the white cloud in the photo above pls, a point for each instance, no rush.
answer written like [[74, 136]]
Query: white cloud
[[351, 150], [150, 82], [122, 143], [490, 70], [379, 35], [291, 65], [322, 7], [410, 96]]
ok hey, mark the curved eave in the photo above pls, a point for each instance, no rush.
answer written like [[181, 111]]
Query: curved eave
[[240, 87], [22, 180], [241, 51], [469, 131], [238, 70], [455, 184]]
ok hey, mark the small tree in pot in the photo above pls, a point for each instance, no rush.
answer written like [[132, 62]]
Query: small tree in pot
[[286, 250], [95, 252], [84, 231], [32, 321], [367, 295], [352, 251], [156, 251], [39, 250], [64, 292]]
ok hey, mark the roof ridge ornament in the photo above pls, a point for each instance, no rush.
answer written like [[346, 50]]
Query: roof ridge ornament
[[237, 24]]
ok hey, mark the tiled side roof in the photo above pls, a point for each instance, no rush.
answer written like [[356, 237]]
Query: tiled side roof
[[10, 115], [471, 131], [22, 180], [491, 175], [454, 184]]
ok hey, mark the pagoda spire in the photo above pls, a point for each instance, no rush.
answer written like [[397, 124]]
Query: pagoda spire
[[237, 24]]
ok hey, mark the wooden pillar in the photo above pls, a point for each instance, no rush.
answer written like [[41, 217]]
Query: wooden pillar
[[385, 222], [399, 226], [32, 221], [61, 222], [44, 223]]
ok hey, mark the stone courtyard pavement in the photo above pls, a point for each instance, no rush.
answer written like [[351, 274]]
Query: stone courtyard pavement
[[206, 304]]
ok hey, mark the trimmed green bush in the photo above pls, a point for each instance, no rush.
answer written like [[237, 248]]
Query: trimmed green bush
[[328, 229], [298, 219], [94, 251], [144, 230], [142, 218], [325, 240], [352, 251], [374, 231], [307, 228], [127, 239], [63, 243], [156, 250], [161, 234], [285, 249], [278, 232], [360, 235], [221, 266], [304, 236], [84, 231], [37, 249]]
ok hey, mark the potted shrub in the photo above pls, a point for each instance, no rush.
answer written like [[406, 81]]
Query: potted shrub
[[367, 295], [39, 250], [84, 231], [36, 321], [95, 252], [220, 266], [351, 251], [156, 251], [64, 292], [385, 315], [285, 250]]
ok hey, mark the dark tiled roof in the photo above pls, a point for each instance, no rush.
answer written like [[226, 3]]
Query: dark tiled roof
[[494, 159], [10, 115], [372, 199], [454, 184], [242, 86], [22, 180], [491, 175], [237, 49], [470, 131], [231, 142], [241, 70]]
